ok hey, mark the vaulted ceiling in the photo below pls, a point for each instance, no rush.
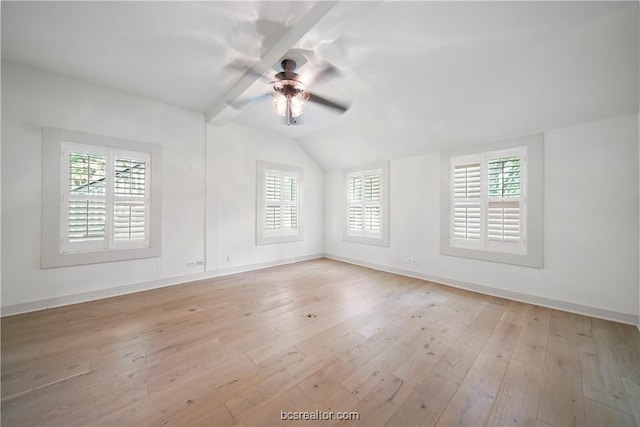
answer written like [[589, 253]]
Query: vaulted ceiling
[[419, 76]]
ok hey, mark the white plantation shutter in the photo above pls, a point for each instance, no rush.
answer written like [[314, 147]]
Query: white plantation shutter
[[372, 187], [280, 207], [488, 201], [355, 218], [129, 220], [272, 217], [467, 185], [130, 199], [290, 203], [504, 222], [87, 220], [372, 218], [505, 200], [272, 189], [364, 199], [105, 199], [85, 206]]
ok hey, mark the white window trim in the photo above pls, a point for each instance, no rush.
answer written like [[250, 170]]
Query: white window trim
[[264, 236], [380, 238], [531, 253], [52, 254]]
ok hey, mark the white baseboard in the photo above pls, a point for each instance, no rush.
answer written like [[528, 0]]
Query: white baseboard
[[30, 306], [601, 313]]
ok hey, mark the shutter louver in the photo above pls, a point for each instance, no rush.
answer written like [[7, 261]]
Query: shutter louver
[[87, 220], [467, 181], [355, 218], [272, 217], [272, 190], [466, 221], [504, 222], [372, 218], [290, 217], [129, 220]]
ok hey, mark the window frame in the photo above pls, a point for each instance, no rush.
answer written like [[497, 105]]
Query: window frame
[[265, 236], [380, 238], [530, 250], [55, 251]]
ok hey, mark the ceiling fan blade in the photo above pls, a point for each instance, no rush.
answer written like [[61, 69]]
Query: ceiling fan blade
[[247, 102], [327, 103], [246, 67], [327, 72]]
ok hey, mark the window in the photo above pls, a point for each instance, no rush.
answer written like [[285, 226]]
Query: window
[[488, 200], [279, 191], [492, 202], [101, 199], [105, 198], [367, 205]]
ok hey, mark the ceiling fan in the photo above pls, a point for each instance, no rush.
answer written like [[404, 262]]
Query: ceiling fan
[[289, 93]]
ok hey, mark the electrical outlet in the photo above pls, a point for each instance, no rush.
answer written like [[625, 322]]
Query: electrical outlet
[[199, 262], [415, 261], [191, 263]]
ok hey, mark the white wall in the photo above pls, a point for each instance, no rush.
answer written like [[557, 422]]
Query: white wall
[[232, 152], [32, 99], [591, 224]]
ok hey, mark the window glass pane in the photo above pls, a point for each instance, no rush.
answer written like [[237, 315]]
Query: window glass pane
[[355, 188], [372, 187], [504, 177], [130, 177], [87, 173], [290, 188]]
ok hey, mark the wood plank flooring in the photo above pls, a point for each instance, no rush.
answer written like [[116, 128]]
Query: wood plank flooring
[[315, 336]]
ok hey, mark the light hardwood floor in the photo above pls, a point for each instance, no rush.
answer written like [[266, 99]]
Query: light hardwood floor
[[317, 335]]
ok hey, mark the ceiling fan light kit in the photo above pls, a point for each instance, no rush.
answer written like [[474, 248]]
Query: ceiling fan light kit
[[290, 94], [289, 98]]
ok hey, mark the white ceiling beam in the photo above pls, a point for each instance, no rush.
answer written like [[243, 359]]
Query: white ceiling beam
[[282, 46]]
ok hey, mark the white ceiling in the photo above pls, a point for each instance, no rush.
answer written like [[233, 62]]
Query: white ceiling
[[420, 76]]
